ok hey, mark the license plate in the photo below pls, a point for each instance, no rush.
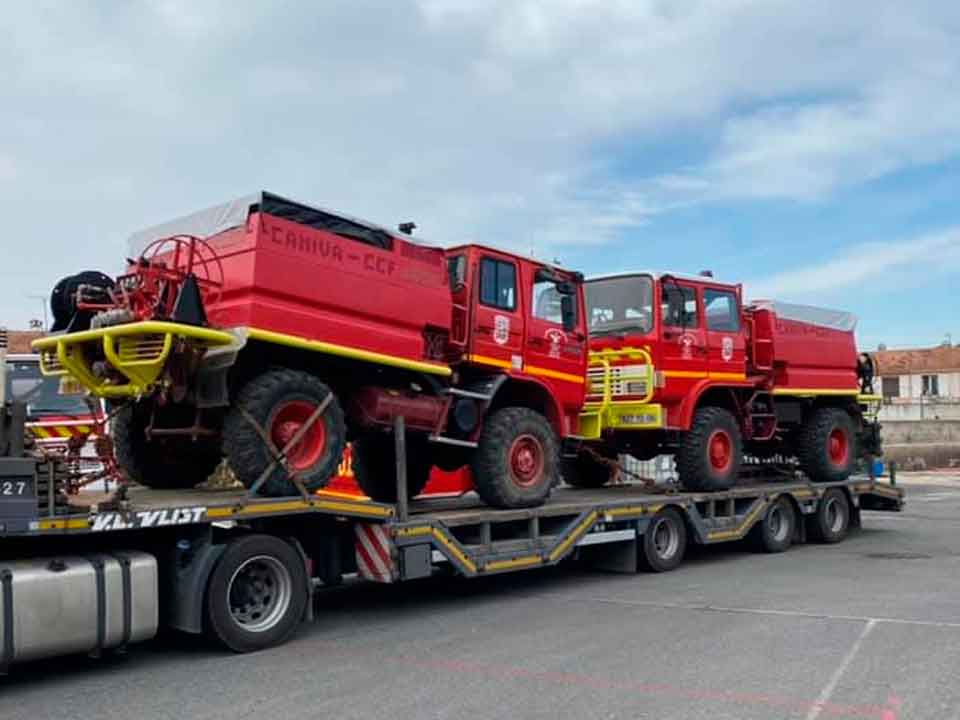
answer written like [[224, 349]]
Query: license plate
[[70, 386]]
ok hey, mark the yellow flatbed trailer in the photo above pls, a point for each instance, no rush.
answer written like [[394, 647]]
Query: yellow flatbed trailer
[[89, 575]]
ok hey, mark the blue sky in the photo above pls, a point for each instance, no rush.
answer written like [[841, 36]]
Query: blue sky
[[810, 150]]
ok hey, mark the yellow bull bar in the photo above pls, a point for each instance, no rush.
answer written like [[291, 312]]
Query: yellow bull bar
[[602, 410], [138, 351]]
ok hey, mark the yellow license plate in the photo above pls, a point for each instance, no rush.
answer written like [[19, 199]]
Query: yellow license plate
[[70, 386]]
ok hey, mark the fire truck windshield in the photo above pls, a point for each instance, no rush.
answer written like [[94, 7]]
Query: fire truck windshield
[[26, 384], [620, 304]]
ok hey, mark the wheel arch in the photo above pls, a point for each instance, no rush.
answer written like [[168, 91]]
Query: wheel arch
[[709, 394], [528, 393]]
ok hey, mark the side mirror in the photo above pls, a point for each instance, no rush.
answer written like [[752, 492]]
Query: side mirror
[[565, 287], [568, 312]]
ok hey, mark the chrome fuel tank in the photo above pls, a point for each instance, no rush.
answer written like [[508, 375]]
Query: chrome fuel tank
[[61, 605]]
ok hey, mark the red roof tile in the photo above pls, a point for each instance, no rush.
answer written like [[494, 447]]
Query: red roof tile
[[906, 362]]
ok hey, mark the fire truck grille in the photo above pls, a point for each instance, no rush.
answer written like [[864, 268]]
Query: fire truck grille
[[140, 348], [624, 380]]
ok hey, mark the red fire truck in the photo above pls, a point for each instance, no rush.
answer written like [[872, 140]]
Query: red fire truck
[[271, 332], [681, 365]]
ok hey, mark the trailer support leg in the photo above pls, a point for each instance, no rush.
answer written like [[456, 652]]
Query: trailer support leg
[[400, 449]]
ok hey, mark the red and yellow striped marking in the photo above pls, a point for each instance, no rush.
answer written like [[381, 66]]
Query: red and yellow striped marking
[[59, 431]]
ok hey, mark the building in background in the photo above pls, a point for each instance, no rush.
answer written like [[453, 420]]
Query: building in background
[[19, 341], [919, 384]]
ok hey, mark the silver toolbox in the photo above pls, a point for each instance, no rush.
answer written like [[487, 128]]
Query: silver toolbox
[[59, 605]]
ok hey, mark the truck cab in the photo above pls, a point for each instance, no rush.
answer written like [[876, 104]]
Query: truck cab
[[657, 341]]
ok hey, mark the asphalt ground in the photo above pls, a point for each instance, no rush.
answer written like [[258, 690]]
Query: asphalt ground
[[869, 628]]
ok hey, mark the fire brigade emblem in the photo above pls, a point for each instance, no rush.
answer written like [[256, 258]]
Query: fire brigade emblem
[[686, 346], [556, 338], [726, 349], [501, 329]]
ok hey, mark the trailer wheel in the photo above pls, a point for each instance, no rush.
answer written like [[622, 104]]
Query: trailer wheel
[[665, 541], [375, 465], [167, 464], [832, 520], [710, 453], [827, 445], [585, 471], [257, 593], [516, 463], [281, 402], [774, 532]]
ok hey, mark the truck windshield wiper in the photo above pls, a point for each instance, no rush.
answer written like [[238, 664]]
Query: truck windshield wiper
[[622, 329]]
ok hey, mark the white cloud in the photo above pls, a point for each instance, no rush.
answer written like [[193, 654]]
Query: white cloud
[[893, 265], [500, 120], [8, 169]]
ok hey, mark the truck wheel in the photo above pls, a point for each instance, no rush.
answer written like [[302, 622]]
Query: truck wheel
[[827, 445], [585, 471], [774, 533], [710, 453], [257, 593], [516, 463], [281, 402], [664, 542], [164, 464], [832, 520], [375, 466]]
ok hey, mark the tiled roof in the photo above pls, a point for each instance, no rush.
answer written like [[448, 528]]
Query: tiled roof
[[905, 362], [18, 341]]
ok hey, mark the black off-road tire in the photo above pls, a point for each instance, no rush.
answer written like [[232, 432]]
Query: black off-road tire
[[584, 471], [510, 437], [814, 445], [664, 542], [775, 531], [831, 522], [262, 397], [287, 594], [694, 466], [375, 465], [161, 463]]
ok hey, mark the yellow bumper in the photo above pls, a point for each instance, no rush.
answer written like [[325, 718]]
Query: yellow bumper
[[625, 415], [137, 351]]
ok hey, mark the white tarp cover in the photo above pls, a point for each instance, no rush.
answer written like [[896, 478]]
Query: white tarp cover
[[824, 317], [203, 223]]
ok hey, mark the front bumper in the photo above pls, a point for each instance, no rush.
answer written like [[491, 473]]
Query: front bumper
[[137, 352]]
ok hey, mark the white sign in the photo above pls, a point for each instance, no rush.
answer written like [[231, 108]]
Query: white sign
[[501, 329]]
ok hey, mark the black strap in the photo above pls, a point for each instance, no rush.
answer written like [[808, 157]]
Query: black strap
[[6, 588], [98, 570], [127, 599]]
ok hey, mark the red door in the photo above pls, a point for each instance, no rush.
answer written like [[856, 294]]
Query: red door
[[497, 335], [553, 355], [683, 350], [726, 346]]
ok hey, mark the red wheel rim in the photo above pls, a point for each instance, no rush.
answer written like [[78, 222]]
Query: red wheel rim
[[838, 447], [526, 460], [720, 450], [287, 421]]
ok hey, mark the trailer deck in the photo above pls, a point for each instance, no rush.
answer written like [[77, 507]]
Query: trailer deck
[[471, 537]]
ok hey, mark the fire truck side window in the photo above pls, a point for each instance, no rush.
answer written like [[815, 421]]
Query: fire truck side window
[[678, 306], [720, 307], [498, 284], [546, 302]]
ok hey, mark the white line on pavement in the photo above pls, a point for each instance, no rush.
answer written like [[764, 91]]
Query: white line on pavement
[[831, 685]]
